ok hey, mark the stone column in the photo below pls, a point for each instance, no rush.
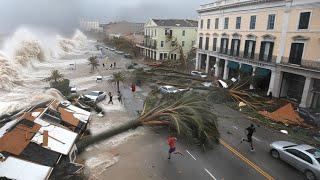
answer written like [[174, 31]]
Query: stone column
[[216, 68], [306, 93], [240, 64], [226, 70], [207, 63], [272, 83], [252, 76], [197, 61]]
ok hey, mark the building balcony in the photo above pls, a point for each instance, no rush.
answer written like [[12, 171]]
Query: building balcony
[[303, 63], [147, 45], [242, 57]]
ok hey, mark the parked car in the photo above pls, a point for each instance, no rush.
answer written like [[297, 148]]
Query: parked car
[[96, 96], [120, 52], [198, 74], [128, 56], [303, 157], [170, 89]]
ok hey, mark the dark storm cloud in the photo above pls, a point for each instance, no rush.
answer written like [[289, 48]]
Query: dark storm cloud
[[64, 15]]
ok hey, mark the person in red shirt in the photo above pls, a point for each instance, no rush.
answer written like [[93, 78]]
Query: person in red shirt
[[172, 146]]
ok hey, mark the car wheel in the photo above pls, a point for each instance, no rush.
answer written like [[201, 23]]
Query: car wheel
[[310, 175], [275, 154]]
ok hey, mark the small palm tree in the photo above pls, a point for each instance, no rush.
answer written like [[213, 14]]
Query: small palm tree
[[54, 76], [117, 78], [93, 62], [188, 114]]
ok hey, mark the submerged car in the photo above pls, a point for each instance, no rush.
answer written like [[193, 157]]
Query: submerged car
[[170, 89], [96, 96], [303, 157], [198, 74]]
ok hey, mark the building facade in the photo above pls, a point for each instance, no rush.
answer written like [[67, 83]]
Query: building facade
[[92, 26], [276, 40], [164, 36]]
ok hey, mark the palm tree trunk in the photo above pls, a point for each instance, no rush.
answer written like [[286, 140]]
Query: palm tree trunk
[[118, 86], [87, 141]]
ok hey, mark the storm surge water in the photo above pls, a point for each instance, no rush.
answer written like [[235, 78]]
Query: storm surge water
[[28, 55]]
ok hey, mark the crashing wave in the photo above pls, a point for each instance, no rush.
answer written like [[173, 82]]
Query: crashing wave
[[9, 77], [28, 50]]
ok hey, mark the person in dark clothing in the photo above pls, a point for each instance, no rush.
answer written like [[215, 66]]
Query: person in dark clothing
[[119, 97], [251, 129], [111, 66], [110, 98], [114, 65], [103, 65]]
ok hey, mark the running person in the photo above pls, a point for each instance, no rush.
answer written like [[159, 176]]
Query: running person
[[251, 129], [110, 98], [172, 146]]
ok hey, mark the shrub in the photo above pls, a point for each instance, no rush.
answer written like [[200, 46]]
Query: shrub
[[62, 86]]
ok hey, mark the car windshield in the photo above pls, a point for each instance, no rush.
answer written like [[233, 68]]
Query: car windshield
[[315, 152], [93, 94], [172, 89]]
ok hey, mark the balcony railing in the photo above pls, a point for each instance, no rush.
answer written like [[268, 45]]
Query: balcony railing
[[245, 57], [308, 64], [148, 45]]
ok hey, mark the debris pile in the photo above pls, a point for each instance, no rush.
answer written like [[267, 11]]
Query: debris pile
[[286, 115], [36, 141]]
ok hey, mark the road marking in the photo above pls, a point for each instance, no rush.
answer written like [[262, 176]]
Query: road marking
[[257, 139], [191, 155], [246, 160], [210, 173], [235, 127]]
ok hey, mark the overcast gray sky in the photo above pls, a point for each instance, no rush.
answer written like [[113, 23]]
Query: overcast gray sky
[[64, 15]]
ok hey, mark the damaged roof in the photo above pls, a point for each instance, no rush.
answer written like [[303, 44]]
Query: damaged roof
[[60, 140], [18, 136], [15, 168], [176, 22]]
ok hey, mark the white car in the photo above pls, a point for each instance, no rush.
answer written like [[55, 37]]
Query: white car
[[198, 74], [170, 89], [96, 96]]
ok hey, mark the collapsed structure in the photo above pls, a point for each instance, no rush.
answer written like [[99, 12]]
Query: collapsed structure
[[33, 143]]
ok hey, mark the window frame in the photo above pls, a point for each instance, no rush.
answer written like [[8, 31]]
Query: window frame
[[182, 43], [201, 24], [208, 23], [239, 17], [183, 32], [226, 23], [161, 43], [216, 23], [310, 17], [255, 21], [274, 21]]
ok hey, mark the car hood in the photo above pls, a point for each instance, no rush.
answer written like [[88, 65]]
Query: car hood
[[91, 97], [281, 144]]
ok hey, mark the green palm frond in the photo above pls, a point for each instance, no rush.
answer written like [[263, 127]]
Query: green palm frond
[[188, 113]]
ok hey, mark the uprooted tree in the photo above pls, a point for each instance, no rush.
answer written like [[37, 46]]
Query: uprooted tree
[[188, 114]]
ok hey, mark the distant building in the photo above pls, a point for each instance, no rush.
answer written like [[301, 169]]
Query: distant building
[[90, 26], [129, 30], [277, 40], [161, 36]]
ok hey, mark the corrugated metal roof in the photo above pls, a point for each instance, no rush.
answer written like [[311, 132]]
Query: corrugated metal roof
[[176, 22]]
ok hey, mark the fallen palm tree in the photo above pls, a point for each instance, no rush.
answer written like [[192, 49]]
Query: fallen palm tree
[[188, 114]]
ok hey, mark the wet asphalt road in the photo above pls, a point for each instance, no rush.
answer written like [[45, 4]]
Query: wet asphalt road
[[228, 160]]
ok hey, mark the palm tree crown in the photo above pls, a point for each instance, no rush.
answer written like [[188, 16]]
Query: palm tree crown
[[55, 76], [93, 62], [117, 78]]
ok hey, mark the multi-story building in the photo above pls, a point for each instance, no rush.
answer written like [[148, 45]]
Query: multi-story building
[[92, 26], [275, 40], [163, 36]]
